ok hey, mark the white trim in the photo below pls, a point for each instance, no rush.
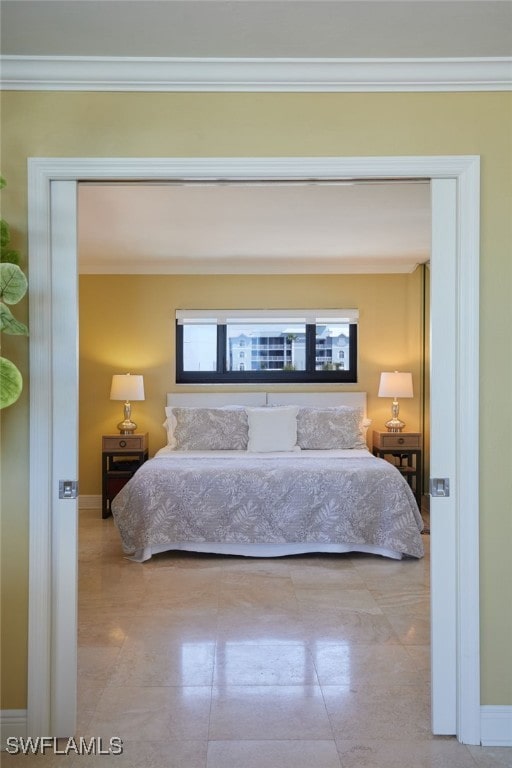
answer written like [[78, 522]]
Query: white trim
[[90, 501], [496, 726], [233, 168], [247, 266], [43, 170], [41, 438], [468, 395], [222, 316], [443, 455], [13, 723], [64, 533], [108, 73]]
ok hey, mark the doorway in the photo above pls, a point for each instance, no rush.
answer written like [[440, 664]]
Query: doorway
[[52, 227]]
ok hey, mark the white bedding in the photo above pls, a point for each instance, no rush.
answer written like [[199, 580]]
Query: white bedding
[[354, 453]]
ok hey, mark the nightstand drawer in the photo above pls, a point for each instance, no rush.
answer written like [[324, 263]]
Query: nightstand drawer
[[396, 440], [124, 443]]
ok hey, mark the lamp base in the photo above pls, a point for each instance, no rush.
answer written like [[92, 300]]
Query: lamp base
[[395, 425], [127, 427]]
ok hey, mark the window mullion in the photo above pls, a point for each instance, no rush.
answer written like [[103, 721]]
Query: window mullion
[[310, 348], [179, 347], [221, 349], [352, 336]]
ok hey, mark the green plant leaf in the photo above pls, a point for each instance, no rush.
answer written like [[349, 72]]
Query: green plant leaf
[[13, 283], [9, 324], [2, 182], [4, 232], [10, 257], [11, 383]]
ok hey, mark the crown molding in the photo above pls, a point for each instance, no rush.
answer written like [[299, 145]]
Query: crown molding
[[92, 73]]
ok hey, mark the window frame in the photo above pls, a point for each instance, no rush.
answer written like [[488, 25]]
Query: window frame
[[308, 376]]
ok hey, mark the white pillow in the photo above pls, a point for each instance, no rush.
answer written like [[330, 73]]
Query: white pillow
[[272, 429]]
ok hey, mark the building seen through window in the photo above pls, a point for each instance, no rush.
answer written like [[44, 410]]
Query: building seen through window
[[284, 349]]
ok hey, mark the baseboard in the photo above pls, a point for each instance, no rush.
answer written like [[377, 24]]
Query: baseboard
[[89, 502], [13, 723], [496, 726]]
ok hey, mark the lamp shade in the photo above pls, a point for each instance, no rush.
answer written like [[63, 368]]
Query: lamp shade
[[396, 384], [127, 387]]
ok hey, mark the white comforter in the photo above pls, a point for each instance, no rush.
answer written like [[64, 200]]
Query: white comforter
[[265, 504]]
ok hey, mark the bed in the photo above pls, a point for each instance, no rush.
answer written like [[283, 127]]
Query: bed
[[267, 475]]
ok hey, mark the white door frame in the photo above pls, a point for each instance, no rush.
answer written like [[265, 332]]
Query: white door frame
[[46, 625]]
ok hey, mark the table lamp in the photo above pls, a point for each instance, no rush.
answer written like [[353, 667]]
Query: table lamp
[[395, 385], [127, 387]]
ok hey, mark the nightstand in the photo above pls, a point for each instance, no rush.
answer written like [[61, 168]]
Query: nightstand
[[403, 450], [121, 457]]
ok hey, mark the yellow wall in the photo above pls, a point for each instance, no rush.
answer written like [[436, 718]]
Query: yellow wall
[[156, 124], [139, 312]]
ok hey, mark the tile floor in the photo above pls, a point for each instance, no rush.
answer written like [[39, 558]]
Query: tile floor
[[199, 661]]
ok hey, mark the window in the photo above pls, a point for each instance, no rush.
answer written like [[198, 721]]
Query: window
[[223, 346]]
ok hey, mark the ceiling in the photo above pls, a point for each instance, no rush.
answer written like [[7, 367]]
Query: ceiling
[[252, 228], [257, 28]]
